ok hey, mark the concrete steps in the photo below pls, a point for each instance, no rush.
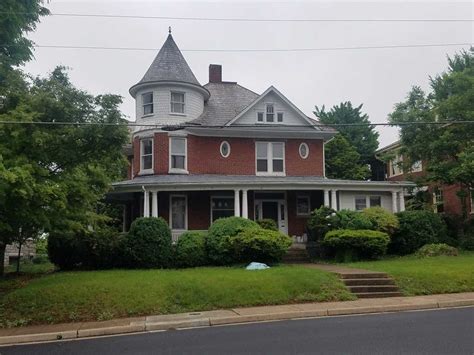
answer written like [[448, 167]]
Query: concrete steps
[[370, 285], [296, 256]]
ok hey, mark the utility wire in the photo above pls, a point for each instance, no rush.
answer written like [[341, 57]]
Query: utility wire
[[261, 50], [233, 19], [131, 124]]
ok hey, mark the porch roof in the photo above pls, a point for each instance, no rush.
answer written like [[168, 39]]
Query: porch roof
[[222, 182]]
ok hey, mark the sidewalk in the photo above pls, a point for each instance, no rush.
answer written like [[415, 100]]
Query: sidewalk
[[232, 316]]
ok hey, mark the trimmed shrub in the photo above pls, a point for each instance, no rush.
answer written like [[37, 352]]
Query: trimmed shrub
[[100, 249], [351, 245], [148, 243], [320, 222], [218, 241], [268, 223], [416, 229], [40, 259], [381, 219], [436, 250], [190, 250], [261, 245], [347, 219], [67, 249]]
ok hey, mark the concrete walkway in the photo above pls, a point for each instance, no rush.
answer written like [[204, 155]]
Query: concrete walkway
[[231, 316]]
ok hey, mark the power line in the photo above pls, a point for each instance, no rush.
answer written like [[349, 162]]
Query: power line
[[263, 49], [131, 124], [233, 19]]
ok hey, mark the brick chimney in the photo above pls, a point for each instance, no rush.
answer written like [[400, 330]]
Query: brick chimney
[[215, 73]]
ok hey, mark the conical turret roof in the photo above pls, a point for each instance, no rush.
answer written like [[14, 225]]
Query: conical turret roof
[[169, 65]]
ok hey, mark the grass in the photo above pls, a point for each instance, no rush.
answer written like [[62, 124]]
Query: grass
[[101, 295], [426, 276]]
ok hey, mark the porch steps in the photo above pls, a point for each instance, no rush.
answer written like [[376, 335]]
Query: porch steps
[[370, 285], [296, 256]]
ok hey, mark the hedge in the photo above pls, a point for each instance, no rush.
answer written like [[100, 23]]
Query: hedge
[[350, 245], [190, 250]]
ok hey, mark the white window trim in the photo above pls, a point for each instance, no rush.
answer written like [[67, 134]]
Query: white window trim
[[283, 117], [230, 197], [308, 198], [147, 171], [172, 170], [417, 169], [220, 149], [171, 103], [185, 212], [307, 150], [269, 160], [275, 114], [399, 161], [367, 200], [152, 104]]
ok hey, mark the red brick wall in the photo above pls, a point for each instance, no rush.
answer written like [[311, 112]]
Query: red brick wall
[[204, 156], [297, 224]]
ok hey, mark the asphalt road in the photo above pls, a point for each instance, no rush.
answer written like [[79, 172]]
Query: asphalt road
[[424, 332]]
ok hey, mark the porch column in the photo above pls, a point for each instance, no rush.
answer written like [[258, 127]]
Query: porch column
[[237, 203], [402, 200], [334, 200], [245, 205], [146, 204], [154, 203], [326, 198], [394, 201], [124, 217]]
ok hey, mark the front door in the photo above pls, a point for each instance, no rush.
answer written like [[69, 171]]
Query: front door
[[272, 209]]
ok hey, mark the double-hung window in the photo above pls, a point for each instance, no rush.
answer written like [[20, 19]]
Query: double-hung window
[[270, 158], [146, 155], [178, 212], [303, 205], [270, 113], [360, 203], [177, 102], [178, 152], [396, 166], [438, 201], [147, 101]]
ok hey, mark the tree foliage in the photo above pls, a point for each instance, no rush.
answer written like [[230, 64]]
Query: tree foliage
[[447, 150], [362, 137], [343, 160]]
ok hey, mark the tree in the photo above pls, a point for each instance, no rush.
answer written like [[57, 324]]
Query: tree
[[446, 149], [343, 160], [52, 176], [362, 137]]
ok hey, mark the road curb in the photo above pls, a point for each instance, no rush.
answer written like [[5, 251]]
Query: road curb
[[188, 321]]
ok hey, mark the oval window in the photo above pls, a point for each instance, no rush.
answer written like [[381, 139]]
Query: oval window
[[304, 150], [225, 149]]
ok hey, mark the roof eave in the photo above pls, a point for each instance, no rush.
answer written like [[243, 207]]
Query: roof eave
[[134, 89]]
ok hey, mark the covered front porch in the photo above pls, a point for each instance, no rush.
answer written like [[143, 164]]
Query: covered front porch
[[193, 202]]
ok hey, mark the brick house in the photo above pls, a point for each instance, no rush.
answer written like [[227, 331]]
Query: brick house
[[443, 198], [202, 152]]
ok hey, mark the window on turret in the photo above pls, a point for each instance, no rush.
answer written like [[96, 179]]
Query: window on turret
[[177, 102], [147, 100]]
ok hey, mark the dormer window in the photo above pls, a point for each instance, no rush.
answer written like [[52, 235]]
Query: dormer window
[[270, 113], [177, 102], [147, 100]]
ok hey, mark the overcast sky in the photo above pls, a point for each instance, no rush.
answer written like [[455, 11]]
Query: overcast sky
[[378, 78]]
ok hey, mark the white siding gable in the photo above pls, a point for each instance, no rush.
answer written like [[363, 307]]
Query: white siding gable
[[291, 116]]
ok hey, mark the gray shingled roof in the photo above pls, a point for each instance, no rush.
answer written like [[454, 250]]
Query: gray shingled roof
[[169, 65], [227, 100]]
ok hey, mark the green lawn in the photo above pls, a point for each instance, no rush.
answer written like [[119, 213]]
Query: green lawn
[[425, 276], [101, 295]]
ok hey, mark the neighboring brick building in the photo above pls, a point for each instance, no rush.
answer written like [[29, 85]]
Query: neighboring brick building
[[28, 251], [205, 152], [443, 198]]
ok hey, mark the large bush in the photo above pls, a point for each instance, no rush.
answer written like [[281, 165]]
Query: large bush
[[436, 250], [381, 219], [218, 241], [99, 249], [190, 249], [416, 229], [260, 245], [268, 223], [320, 222], [347, 219], [349, 245], [148, 243]]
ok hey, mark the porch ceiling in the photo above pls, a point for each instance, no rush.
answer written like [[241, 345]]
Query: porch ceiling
[[222, 182]]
